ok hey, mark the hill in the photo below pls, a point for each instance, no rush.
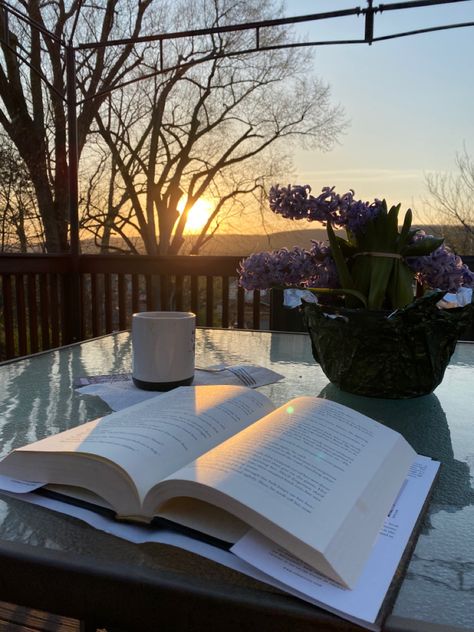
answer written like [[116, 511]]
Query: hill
[[241, 244], [461, 241], [234, 244]]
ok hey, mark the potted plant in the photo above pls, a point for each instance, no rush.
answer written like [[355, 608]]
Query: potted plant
[[378, 327]]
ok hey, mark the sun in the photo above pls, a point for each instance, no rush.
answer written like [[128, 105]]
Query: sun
[[198, 214]]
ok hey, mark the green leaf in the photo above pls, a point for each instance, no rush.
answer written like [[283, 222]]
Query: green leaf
[[361, 272], [379, 280], [348, 249], [392, 226], [343, 272], [413, 232], [405, 232], [422, 247], [368, 240], [400, 288]]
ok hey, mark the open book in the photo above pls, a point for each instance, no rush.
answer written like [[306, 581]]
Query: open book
[[313, 476]]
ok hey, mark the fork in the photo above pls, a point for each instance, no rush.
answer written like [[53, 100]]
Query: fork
[[239, 371], [243, 375]]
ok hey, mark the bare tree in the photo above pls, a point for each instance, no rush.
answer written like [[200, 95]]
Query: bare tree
[[20, 224], [33, 111], [219, 129], [450, 205], [185, 134]]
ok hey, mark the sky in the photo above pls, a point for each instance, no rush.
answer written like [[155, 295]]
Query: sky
[[410, 101]]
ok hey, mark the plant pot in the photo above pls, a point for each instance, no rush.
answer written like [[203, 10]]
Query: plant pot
[[378, 354]]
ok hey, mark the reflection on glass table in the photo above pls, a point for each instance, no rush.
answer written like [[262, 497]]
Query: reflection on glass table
[[92, 573]]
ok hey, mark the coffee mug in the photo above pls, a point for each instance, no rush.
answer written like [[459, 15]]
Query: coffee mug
[[163, 349]]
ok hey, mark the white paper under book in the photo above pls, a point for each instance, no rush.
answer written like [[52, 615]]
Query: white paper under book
[[312, 476]]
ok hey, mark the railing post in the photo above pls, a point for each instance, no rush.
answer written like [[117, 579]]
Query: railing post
[[73, 312]]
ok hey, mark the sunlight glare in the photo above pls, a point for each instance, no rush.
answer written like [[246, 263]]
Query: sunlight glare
[[198, 215]]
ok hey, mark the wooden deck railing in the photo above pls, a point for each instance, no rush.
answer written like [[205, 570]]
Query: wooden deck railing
[[40, 309]]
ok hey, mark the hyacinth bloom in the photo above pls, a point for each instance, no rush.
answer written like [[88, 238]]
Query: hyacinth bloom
[[375, 266]]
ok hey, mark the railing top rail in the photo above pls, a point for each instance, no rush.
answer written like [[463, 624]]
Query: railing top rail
[[34, 263], [207, 265], [162, 264], [125, 264]]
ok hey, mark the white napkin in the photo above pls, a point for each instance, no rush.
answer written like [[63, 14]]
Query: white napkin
[[118, 391], [462, 297]]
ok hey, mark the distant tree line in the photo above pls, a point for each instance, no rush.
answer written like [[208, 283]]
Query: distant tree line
[[449, 206]]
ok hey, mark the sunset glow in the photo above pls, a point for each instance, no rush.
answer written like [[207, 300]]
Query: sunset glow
[[198, 215]]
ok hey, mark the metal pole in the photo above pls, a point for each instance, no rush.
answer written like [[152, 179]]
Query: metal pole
[[74, 318], [369, 23]]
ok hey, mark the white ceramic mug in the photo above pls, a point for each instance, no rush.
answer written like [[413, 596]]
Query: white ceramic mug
[[163, 349]]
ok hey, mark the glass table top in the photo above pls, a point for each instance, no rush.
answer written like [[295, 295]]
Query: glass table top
[[37, 398]]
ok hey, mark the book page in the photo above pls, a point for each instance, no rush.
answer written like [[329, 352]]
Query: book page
[[299, 456], [298, 474], [152, 439], [364, 601], [360, 604]]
